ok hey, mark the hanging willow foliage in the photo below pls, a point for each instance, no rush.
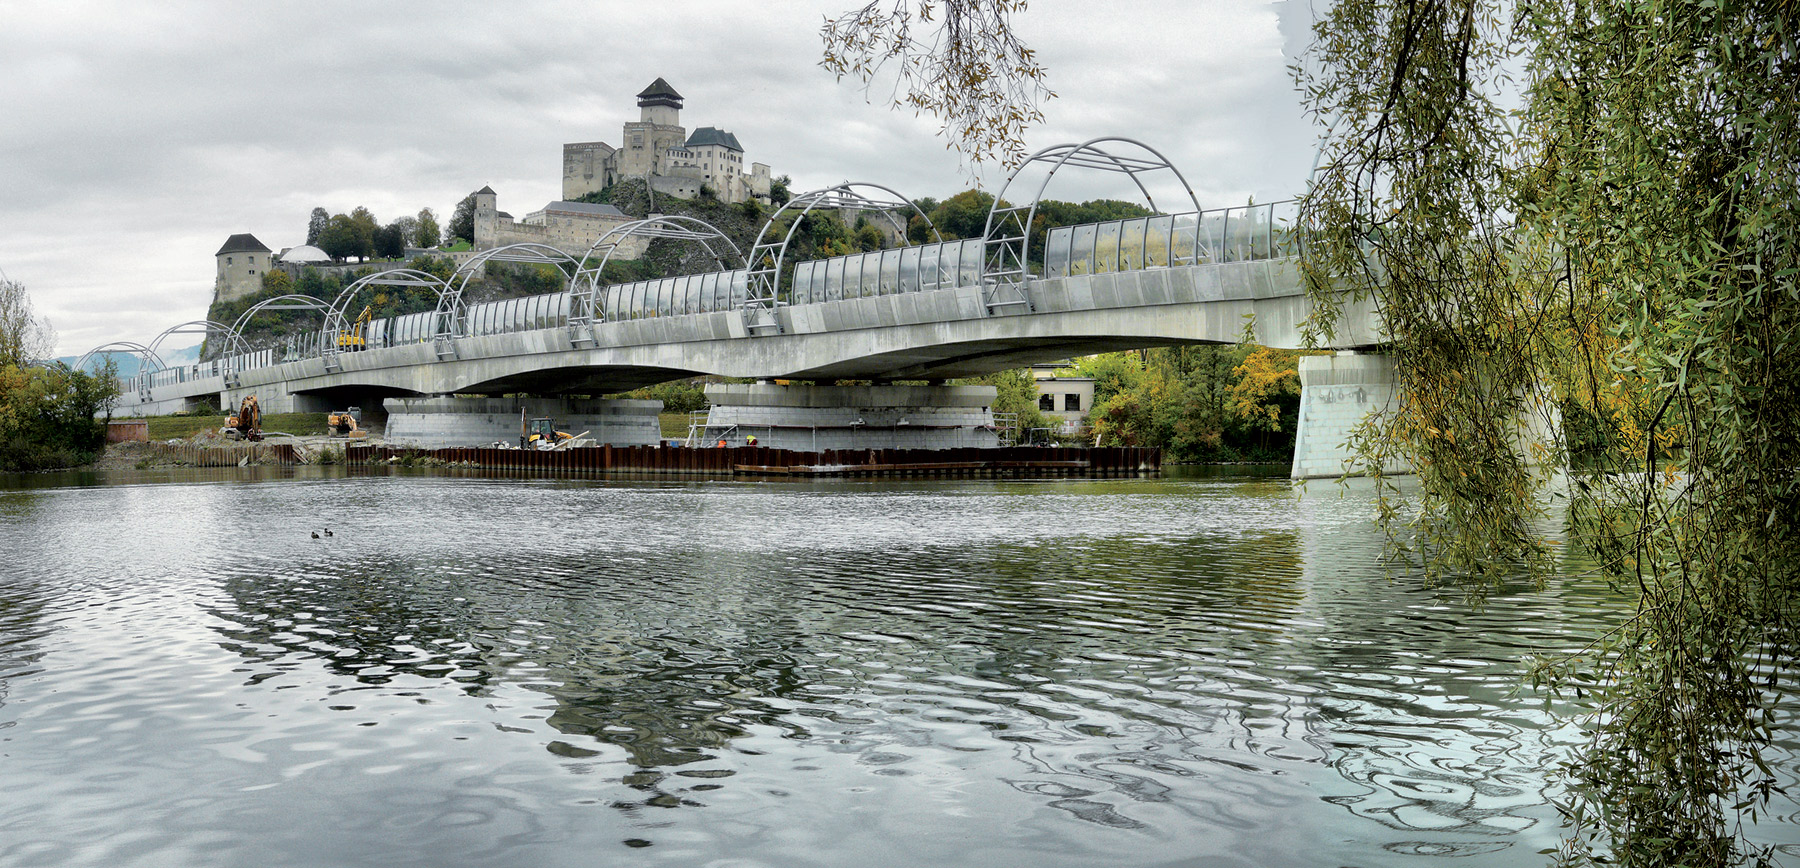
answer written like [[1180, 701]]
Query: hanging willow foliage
[[1629, 238]]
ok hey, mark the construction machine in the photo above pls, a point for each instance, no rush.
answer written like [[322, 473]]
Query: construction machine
[[540, 433], [342, 423], [353, 339], [246, 424]]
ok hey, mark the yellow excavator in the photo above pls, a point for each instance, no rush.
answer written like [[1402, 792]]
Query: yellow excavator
[[541, 433], [353, 339], [246, 424]]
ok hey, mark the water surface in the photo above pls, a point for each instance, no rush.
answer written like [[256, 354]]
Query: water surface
[[485, 671]]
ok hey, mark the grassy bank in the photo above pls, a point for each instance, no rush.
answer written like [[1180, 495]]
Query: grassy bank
[[183, 427]]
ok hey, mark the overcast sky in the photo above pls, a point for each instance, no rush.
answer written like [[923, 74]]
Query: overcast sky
[[135, 137]]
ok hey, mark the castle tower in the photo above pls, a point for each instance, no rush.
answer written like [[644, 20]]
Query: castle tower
[[242, 263], [487, 215], [660, 104], [644, 150]]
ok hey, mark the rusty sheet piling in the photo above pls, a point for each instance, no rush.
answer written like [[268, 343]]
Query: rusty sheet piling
[[1012, 462]]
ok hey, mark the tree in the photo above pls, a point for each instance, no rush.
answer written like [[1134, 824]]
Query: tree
[[315, 225], [366, 226], [390, 241], [1630, 236], [956, 60], [409, 230], [427, 235], [46, 412], [462, 220], [24, 337], [340, 240]]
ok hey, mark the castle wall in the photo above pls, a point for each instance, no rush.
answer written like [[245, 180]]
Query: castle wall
[[587, 168]]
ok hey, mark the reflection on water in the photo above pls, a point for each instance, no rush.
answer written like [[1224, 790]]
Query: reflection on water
[[1202, 670]]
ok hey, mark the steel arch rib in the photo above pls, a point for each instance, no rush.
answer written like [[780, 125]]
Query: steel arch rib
[[235, 341], [993, 259], [131, 347], [584, 285], [813, 199], [334, 316]]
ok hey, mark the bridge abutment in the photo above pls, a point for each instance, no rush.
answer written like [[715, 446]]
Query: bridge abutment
[[815, 418], [435, 423]]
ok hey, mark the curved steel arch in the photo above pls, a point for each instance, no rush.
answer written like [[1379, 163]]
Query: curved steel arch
[[149, 356], [336, 324], [1007, 236], [768, 256], [584, 287], [452, 311], [235, 341], [280, 302]]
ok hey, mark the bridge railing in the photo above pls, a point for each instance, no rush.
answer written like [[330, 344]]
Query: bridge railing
[[888, 272], [1248, 232]]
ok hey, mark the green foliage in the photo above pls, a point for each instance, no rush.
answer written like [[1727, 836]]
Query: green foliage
[[1631, 237], [678, 396], [462, 220], [1199, 404], [315, 225], [1016, 392], [427, 234], [390, 241], [47, 416]]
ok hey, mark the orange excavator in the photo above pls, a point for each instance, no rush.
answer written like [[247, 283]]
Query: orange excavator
[[342, 423], [246, 424]]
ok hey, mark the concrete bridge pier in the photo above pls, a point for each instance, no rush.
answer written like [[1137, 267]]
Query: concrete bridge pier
[[1337, 392], [813, 418], [436, 423]]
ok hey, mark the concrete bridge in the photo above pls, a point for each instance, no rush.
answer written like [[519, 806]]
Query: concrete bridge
[[932, 312]]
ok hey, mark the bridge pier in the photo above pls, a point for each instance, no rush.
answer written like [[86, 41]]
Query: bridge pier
[[815, 418], [436, 423], [1337, 392]]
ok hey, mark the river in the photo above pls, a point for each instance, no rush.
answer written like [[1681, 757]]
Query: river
[[1202, 669]]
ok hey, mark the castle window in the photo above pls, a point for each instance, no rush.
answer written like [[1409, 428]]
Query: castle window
[[227, 260]]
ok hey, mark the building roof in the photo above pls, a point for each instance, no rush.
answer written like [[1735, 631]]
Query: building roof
[[585, 208], [242, 242], [485, 189], [659, 93], [304, 253], [714, 136]]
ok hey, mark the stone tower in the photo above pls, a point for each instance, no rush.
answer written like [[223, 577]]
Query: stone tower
[[242, 263], [487, 215], [658, 128]]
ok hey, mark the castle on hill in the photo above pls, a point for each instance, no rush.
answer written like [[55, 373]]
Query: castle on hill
[[655, 148]]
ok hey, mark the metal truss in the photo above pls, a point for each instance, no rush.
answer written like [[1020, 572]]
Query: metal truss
[[768, 258], [584, 285], [1006, 264]]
